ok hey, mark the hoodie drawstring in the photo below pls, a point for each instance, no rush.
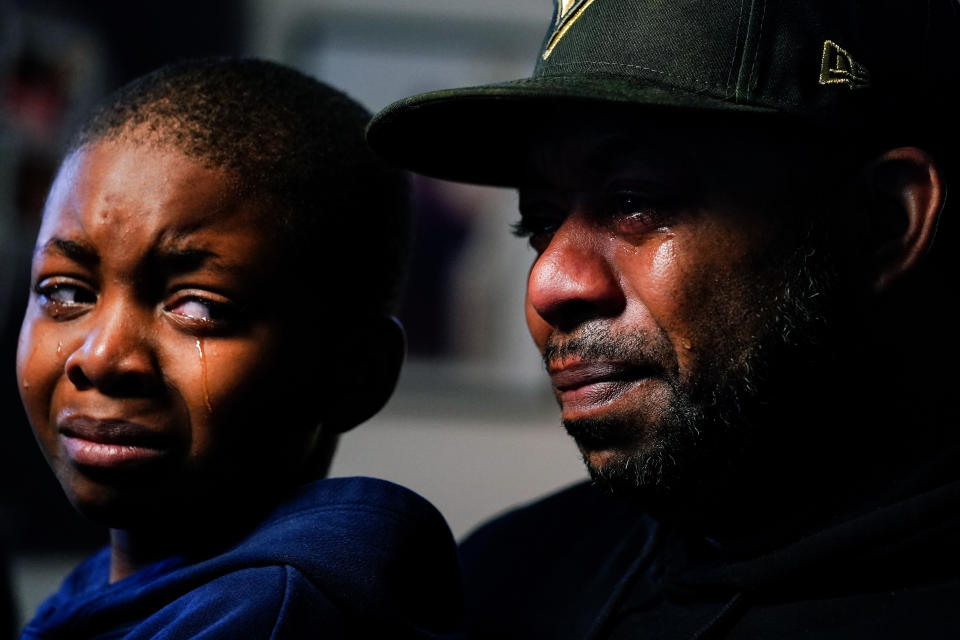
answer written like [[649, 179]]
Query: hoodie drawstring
[[724, 620]]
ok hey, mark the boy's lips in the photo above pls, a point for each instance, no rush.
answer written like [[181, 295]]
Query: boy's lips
[[584, 386], [111, 443]]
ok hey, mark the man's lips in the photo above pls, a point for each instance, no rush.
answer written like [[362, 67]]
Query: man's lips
[[111, 442], [586, 385]]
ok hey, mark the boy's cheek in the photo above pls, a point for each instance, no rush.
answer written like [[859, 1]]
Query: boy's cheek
[[25, 347], [233, 372], [238, 387], [34, 366], [40, 367]]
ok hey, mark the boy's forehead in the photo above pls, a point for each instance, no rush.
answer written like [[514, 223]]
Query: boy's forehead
[[123, 184], [130, 199]]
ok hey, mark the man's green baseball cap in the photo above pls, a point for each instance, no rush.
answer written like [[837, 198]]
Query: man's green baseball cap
[[849, 66]]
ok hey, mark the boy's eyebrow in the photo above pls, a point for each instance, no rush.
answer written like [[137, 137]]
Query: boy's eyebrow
[[174, 260], [79, 252]]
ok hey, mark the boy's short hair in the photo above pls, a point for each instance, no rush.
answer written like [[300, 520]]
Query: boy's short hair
[[297, 146]]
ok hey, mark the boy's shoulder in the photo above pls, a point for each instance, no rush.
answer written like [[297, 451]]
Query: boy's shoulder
[[374, 544], [347, 553]]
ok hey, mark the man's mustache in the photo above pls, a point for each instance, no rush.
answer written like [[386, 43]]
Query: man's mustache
[[597, 343]]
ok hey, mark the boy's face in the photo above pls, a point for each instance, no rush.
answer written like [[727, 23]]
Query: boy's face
[[155, 355]]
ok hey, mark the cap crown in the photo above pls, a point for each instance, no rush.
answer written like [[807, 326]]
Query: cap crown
[[878, 70], [821, 58]]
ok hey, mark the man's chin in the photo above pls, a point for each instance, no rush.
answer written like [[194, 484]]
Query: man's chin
[[630, 472], [602, 458], [624, 456]]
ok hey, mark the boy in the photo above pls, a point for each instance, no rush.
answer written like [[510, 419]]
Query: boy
[[211, 295]]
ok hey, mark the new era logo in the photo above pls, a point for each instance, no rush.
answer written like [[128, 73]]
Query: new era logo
[[839, 67], [568, 12]]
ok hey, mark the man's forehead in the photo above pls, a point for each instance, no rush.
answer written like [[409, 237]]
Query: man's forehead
[[590, 143], [585, 151]]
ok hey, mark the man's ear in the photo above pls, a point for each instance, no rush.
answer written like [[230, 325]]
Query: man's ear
[[364, 375], [905, 194]]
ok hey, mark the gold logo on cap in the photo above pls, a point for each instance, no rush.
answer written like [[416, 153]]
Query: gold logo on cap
[[568, 12], [839, 67]]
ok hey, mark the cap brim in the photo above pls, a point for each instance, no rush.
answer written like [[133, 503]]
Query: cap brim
[[480, 134]]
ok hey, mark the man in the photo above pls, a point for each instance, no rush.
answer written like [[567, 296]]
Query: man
[[742, 310]]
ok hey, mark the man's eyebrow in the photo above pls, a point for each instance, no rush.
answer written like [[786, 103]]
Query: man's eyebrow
[[79, 252], [630, 149]]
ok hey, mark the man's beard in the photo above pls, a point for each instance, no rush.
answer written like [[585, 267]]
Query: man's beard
[[704, 435]]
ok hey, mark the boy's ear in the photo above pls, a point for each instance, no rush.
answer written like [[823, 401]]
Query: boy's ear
[[364, 374], [903, 194]]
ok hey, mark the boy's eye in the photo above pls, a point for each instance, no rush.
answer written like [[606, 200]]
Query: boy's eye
[[200, 312], [63, 300], [192, 308]]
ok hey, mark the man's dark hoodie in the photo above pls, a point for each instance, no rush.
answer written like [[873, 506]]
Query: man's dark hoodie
[[582, 564]]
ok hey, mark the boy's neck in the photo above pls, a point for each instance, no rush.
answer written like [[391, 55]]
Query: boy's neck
[[129, 553], [209, 528], [134, 549]]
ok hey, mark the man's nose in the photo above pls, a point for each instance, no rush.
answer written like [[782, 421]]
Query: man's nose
[[573, 280], [116, 356]]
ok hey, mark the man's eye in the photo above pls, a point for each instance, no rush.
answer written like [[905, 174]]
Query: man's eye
[[64, 300], [537, 228], [538, 232], [631, 212]]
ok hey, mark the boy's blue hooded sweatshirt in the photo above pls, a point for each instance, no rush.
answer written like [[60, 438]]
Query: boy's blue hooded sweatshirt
[[342, 558]]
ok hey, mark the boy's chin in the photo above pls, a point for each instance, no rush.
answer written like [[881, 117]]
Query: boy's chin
[[166, 509], [126, 501], [116, 508]]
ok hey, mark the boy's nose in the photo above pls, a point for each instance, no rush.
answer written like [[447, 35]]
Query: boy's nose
[[116, 356]]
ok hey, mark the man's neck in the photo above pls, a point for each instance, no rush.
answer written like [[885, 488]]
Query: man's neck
[[864, 445]]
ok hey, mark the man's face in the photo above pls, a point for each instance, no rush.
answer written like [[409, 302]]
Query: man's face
[[151, 359], [674, 278]]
